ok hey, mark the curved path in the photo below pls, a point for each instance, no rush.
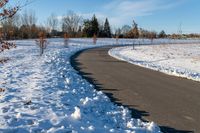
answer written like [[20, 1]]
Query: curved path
[[171, 102]]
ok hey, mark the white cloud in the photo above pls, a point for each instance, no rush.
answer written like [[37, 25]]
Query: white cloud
[[121, 11], [139, 7]]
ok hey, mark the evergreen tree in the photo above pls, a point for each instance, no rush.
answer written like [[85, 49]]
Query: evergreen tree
[[91, 27], [107, 30], [162, 34], [95, 26], [101, 30], [87, 29]]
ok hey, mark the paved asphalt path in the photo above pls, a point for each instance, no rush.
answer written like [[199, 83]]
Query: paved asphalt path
[[172, 102]]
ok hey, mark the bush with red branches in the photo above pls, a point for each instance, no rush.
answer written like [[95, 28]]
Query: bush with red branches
[[42, 42], [8, 11]]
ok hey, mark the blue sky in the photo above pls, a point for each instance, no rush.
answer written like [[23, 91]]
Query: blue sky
[[149, 14]]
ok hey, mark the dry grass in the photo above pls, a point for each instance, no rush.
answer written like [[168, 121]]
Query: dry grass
[[4, 60], [6, 45], [196, 59], [2, 90]]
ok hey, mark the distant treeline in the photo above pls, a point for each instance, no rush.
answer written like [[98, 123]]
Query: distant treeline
[[24, 26]]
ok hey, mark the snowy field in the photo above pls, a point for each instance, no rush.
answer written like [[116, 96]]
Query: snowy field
[[181, 60], [45, 94]]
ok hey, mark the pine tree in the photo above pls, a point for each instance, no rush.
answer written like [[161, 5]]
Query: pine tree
[[107, 30], [91, 27], [162, 34], [101, 30], [95, 26], [87, 29]]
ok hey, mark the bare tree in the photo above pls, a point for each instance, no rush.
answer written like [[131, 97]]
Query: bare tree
[[7, 11], [117, 35], [71, 23], [134, 32], [28, 18], [10, 26], [28, 21], [152, 36], [52, 22], [125, 29]]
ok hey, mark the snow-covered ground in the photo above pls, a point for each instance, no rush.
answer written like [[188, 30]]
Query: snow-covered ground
[[181, 60], [45, 94]]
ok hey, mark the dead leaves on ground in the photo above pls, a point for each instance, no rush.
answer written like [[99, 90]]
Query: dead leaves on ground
[[4, 60], [2, 90]]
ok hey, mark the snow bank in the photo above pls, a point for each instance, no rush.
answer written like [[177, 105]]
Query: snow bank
[[77, 113], [45, 94], [181, 60]]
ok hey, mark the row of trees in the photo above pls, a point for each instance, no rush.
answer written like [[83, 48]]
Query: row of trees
[[93, 27], [24, 26], [21, 26], [134, 32], [75, 26]]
